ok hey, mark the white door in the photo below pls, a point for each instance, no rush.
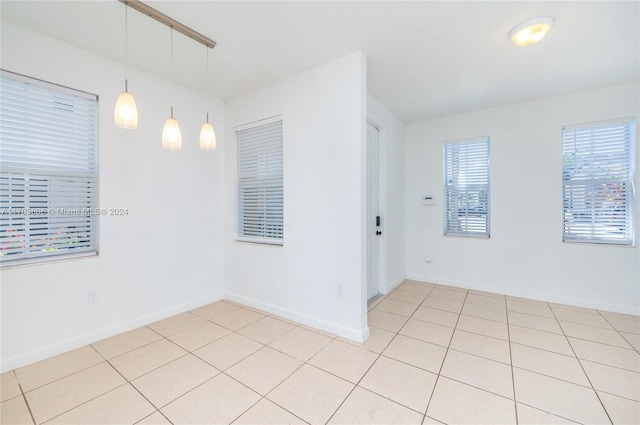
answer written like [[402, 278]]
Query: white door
[[372, 211]]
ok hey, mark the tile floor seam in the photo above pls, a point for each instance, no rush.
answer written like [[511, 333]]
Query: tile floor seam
[[637, 350], [553, 377], [254, 391], [435, 384], [440, 309], [24, 397], [528, 314], [433, 323], [606, 412], [357, 385], [298, 368], [134, 349], [267, 344], [264, 397], [483, 318], [353, 389], [513, 379], [83, 403], [619, 396], [137, 389], [551, 413], [231, 365], [58, 379], [151, 414], [477, 333], [381, 354], [388, 398], [610, 365]]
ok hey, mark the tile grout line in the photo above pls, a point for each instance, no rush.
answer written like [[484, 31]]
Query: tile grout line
[[127, 381], [582, 367], [304, 362], [264, 397], [357, 385], [513, 377], [445, 356], [619, 332], [24, 396]]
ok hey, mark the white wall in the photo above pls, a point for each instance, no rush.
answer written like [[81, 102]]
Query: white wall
[[525, 255], [324, 124], [391, 183], [166, 256]]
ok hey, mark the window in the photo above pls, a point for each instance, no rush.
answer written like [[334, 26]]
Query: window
[[48, 171], [597, 182], [260, 187], [466, 187]]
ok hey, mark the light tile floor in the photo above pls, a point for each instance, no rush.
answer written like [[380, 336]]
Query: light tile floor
[[436, 355]]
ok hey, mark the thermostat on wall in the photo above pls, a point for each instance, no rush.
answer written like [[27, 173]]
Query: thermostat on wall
[[428, 200]]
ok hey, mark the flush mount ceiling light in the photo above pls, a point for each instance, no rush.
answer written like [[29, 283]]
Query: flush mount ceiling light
[[532, 31]]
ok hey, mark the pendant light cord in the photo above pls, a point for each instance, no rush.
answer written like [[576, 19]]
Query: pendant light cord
[[206, 82], [126, 42], [171, 29]]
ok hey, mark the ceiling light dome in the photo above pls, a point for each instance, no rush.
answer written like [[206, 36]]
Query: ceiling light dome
[[532, 31]]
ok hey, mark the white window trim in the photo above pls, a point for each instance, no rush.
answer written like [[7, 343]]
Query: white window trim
[[49, 203], [631, 204], [446, 231], [269, 242]]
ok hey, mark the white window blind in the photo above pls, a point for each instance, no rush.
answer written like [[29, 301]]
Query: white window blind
[[260, 183], [466, 187], [48, 171], [597, 182]]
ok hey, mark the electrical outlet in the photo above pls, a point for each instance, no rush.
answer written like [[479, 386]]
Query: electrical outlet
[[340, 293], [92, 296]]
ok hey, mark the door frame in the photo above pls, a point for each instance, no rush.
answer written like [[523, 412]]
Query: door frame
[[382, 202]]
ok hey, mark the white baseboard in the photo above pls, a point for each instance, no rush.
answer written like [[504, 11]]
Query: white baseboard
[[334, 328], [574, 301], [81, 341]]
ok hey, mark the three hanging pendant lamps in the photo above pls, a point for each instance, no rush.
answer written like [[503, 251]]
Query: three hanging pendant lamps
[[126, 112]]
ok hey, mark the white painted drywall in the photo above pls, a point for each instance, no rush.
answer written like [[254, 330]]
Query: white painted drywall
[[525, 255], [391, 179], [166, 256], [324, 126]]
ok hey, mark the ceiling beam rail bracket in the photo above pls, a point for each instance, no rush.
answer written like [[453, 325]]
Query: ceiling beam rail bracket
[[170, 22]]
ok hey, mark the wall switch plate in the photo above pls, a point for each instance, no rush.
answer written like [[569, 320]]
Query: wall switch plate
[[92, 297]]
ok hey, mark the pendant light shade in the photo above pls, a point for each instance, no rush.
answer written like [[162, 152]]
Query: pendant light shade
[[207, 137], [126, 112], [171, 136]]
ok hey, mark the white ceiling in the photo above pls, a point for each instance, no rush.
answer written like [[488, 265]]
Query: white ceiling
[[425, 58]]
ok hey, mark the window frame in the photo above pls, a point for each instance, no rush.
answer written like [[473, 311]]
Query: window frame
[[446, 228], [630, 195], [53, 205], [255, 239]]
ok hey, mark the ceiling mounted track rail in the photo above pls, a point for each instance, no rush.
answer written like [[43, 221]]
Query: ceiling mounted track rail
[[170, 22]]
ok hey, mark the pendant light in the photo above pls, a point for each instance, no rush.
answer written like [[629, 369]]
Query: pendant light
[[171, 136], [207, 133], [125, 113]]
